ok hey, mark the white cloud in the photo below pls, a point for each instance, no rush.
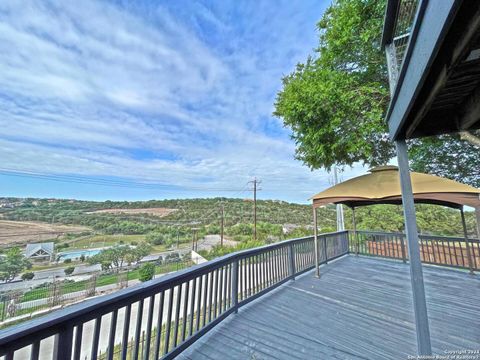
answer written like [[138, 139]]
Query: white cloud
[[179, 95]]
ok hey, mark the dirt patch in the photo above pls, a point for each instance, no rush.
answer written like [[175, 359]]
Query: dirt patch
[[209, 241], [160, 212], [22, 232]]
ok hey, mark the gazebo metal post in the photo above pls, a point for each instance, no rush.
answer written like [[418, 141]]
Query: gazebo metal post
[[355, 236], [416, 274], [315, 235], [467, 243], [402, 245], [477, 215]]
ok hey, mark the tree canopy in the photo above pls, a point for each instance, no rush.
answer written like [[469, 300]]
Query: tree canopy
[[12, 264], [146, 272], [335, 102], [447, 156], [120, 255]]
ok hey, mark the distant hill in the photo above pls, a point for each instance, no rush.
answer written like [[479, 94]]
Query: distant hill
[[180, 215]]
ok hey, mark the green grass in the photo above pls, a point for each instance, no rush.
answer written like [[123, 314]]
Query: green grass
[[96, 241]]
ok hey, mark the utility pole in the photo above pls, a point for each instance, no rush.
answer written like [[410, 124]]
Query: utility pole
[[178, 238], [195, 239], [222, 225], [255, 209], [340, 219], [255, 183]]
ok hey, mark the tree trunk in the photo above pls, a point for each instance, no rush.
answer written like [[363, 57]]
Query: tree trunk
[[472, 139]]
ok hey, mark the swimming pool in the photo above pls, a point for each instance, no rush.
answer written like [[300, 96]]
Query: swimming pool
[[76, 254]]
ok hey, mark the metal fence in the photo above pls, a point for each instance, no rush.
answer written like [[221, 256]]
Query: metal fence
[[437, 250], [403, 26], [21, 304], [160, 318]]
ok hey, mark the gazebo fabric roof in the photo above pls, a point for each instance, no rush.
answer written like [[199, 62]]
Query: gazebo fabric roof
[[382, 186]]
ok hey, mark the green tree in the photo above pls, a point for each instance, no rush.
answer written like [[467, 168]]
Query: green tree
[[121, 255], [447, 156], [146, 272], [335, 102], [69, 270], [28, 275], [12, 264], [116, 256], [156, 238]]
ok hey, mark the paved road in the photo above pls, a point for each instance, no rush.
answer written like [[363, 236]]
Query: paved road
[[210, 241]]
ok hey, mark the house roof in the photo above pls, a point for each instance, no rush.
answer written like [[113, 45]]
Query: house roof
[[382, 186], [32, 249]]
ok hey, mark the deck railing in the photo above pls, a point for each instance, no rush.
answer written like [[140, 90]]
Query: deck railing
[[160, 318], [403, 27], [398, 32], [437, 250]]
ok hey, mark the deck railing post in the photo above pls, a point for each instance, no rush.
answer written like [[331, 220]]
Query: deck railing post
[[235, 286], [63, 344], [291, 261], [325, 249], [315, 241], [346, 241], [402, 244], [355, 235]]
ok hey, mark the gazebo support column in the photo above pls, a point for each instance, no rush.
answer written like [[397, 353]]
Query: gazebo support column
[[467, 243], [477, 215], [355, 236], [315, 235], [416, 274]]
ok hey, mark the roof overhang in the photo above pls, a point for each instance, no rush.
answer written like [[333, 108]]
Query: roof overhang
[[438, 87]]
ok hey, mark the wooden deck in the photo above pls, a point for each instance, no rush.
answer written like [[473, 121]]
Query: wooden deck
[[360, 308]]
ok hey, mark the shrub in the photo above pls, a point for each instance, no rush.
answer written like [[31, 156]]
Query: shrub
[[146, 272], [28, 275], [156, 238], [69, 270], [172, 257], [106, 265], [67, 261]]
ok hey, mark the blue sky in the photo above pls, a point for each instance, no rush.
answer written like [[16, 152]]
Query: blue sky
[[176, 93]]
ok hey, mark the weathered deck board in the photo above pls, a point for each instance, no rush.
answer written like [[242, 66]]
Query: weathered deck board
[[360, 308]]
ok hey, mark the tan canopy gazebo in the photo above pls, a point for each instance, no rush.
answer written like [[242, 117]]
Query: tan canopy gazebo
[[382, 186]]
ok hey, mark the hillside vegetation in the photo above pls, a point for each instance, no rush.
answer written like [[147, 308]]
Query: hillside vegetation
[[274, 217]]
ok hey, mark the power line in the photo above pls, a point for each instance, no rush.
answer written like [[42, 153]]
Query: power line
[[84, 180], [106, 182]]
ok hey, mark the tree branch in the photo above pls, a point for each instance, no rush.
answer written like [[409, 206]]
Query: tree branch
[[472, 139]]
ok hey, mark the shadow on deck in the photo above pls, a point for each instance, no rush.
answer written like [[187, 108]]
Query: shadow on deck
[[360, 308]]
